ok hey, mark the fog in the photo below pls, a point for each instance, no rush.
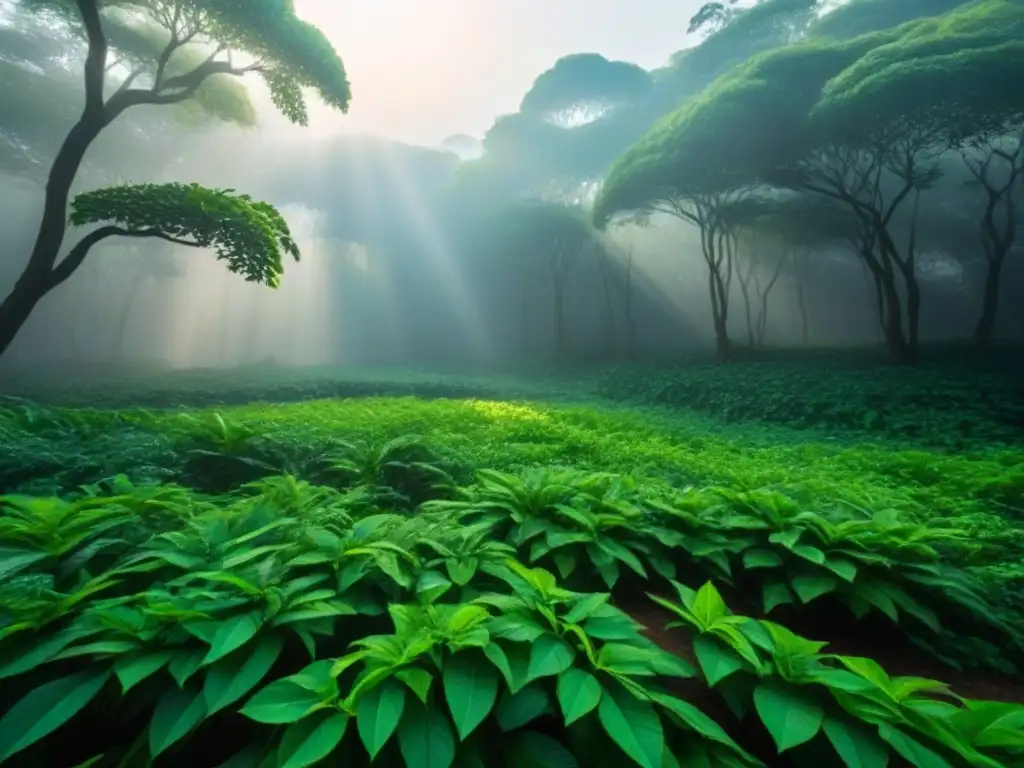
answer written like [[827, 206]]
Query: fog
[[401, 207]]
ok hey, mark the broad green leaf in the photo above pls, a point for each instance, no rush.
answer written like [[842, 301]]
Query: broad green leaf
[[232, 634], [774, 594], [311, 740], [231, 678], [856, 745], [761, 558], [471, 688], [716, 661], [283, 701], [634, 725], [843, 568], [132, 670], [695, 719], [518, 709], [13, 560], [911, 750], [418, 680], [809, 588], [185, 663], [578, 693], [425, 738], [176, 713], [378, 714], [37, 652], [499, 659], [790, 715], [46, 708], [530, 749], [549, 655], [585, 607], [431, 585], [708, 606]]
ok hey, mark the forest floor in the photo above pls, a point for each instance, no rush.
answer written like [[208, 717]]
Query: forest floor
[[931, 460]]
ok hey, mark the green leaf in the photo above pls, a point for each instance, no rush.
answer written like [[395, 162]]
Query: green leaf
[[425, 738], [911, 750], [231, 678], [843, 568], [378, 714], [43, 710], [578, 694], [132, 670], [809, 588], [774, 594], [530, 749], [232, 634], [177, 712], [634, 725], [695, 719], [790, 716], [549, 655], [37, 652], [708, 606], [471, 688], [585, 607], [761, 558], [517, 709], [283, 701], [311, 740], [499, 659], [418, 680], [856, 745], [716, 661]]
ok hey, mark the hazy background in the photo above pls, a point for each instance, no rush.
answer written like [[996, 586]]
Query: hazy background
[[403, 259]]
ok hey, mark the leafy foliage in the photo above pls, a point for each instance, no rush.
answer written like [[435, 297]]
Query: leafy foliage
[[250, 236]]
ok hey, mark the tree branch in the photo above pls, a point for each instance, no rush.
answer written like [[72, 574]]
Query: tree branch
[[96, 59], [67, 267], [184, 87]]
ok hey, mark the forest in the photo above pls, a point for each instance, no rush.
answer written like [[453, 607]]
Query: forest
[[675, 419]]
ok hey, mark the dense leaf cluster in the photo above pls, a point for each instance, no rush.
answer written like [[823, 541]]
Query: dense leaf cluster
[[251, 237]]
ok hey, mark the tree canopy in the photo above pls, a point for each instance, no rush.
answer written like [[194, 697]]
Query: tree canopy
[[582, 87], [175, 46], [858, 17]]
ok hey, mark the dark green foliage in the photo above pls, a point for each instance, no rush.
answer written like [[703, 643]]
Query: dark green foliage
[[250, 236]]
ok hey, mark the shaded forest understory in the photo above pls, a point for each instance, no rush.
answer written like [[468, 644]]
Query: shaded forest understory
[[514, 550]]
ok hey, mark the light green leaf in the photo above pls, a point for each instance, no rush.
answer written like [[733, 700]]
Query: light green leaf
[[231, 678], [708, 606], [176, 713], [634, 725], [578, 693], [471, 688], [43, 710], [790, 715], [425, 738], [233, 633], [774, 594], [856, 745], [311, 740], [378, 714]]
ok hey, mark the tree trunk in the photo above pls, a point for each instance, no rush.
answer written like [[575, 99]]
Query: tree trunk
[[805, 325], [896, 344], [984, 333], [751, 336], [37, 279], [126, 311]]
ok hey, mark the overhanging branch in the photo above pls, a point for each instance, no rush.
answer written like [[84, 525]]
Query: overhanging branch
[[77, 254]]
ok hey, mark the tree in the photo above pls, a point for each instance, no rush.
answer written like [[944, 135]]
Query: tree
[[706, 210], [774, 121], [964, 90], [556, 236], [149, 39], [860, 17], [584, 87]]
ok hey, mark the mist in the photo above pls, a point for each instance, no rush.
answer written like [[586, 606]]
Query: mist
[[409, 255]]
